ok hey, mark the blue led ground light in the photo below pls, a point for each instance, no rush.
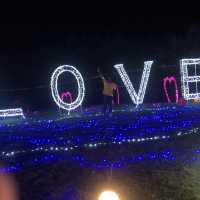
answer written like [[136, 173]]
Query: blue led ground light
[[72, 139]]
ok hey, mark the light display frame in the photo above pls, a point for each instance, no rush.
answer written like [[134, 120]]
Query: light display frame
[[54, 87], [186, 78], [12, 113], [136, 98]]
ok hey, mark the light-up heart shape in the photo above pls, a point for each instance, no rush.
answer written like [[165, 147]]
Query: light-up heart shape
[[66, 94], [117, 102], [170, 79], [117, 95]]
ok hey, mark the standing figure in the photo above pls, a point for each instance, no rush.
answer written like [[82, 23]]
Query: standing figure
[[108, 88]]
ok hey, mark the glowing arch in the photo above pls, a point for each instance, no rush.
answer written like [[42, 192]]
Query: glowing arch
[[54, 87]]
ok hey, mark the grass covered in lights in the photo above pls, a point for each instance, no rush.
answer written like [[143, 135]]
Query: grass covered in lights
[[73, 137], [147, 171], [150, 151]]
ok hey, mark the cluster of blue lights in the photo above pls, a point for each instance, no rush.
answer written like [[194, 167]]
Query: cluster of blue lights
[[33, 142], [80, 159]]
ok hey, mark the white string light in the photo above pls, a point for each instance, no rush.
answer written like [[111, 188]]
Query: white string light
[[4, 154], [12, 112], [136, 98], [186, 78], [54, 87]]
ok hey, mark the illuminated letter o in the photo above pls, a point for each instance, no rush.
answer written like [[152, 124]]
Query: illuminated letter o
[[54, 87]]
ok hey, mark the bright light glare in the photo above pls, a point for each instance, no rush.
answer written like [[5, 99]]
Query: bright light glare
[[108, 195]]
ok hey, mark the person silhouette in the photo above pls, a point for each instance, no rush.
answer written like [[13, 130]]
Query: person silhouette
[[108, 88]]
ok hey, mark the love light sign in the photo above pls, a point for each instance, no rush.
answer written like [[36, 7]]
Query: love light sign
[[137, 97]]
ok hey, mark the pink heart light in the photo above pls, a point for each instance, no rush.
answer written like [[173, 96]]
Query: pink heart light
[[66, 94], [170, 79]]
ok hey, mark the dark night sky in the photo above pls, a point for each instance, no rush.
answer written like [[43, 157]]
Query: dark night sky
[[30, 52]]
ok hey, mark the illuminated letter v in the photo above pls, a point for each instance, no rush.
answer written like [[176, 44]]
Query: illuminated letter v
[[136, 98]]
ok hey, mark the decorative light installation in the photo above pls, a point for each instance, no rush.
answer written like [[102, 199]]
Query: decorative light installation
[[54, 87], [136, 98], [70, 148], [66, 94], [117, 102], [74, 137], [186, 79], [12, 112], [170, 79], [170, 122]]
